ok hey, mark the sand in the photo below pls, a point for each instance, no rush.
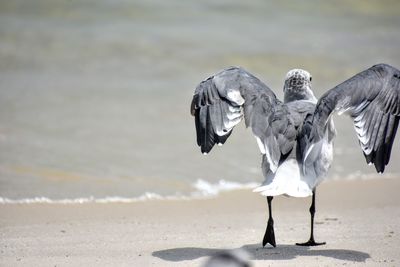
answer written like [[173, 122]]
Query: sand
[[359, 220]]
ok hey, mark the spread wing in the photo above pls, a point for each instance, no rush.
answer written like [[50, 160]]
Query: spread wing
[[372, 99], [223, 100]]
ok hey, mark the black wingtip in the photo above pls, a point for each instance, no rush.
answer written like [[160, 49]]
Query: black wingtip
[[205, 149], [380, 168], [378, 158], [381, 156], [222, 139]]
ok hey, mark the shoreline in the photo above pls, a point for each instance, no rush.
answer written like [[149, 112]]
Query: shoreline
[[359, 220], [203, 190]]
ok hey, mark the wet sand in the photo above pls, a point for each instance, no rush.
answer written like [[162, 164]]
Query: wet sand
[[359, 220]]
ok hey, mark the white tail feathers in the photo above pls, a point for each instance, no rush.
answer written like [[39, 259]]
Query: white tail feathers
[[287, 180]]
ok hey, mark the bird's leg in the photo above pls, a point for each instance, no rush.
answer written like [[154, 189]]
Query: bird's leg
[[269, 236], [311, 241]]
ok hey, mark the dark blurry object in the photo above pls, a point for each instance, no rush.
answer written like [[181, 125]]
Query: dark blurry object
[[230, 258]]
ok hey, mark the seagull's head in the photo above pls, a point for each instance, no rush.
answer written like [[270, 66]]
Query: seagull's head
[[298, 86]]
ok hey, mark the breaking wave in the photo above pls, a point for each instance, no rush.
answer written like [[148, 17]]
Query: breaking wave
[[203, 189]]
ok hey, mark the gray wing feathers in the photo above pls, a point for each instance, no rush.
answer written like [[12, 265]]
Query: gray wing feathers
[[372, 99], [223, 100], [272, 126], [214, 116], [218, 104]]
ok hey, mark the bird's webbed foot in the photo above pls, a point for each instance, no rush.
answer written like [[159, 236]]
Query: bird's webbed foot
[[311, 243], [269, 236]]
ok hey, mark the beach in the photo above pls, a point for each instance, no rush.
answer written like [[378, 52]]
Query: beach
[[359, 220], [99, 164]]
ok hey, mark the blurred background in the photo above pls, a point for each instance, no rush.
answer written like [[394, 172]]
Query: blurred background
[[95, 94]]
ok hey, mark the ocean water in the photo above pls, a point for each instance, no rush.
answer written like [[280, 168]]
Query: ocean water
[[95, 95]]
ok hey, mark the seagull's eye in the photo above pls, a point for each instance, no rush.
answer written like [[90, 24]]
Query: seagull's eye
[[310, 78]]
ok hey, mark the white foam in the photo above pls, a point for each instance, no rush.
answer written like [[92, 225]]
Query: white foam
[[83, 200], [203, 189]]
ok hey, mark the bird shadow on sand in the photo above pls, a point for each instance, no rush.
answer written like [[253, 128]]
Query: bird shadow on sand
[[282, 252]]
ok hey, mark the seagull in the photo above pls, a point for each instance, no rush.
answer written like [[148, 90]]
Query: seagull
[[295, 136]]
